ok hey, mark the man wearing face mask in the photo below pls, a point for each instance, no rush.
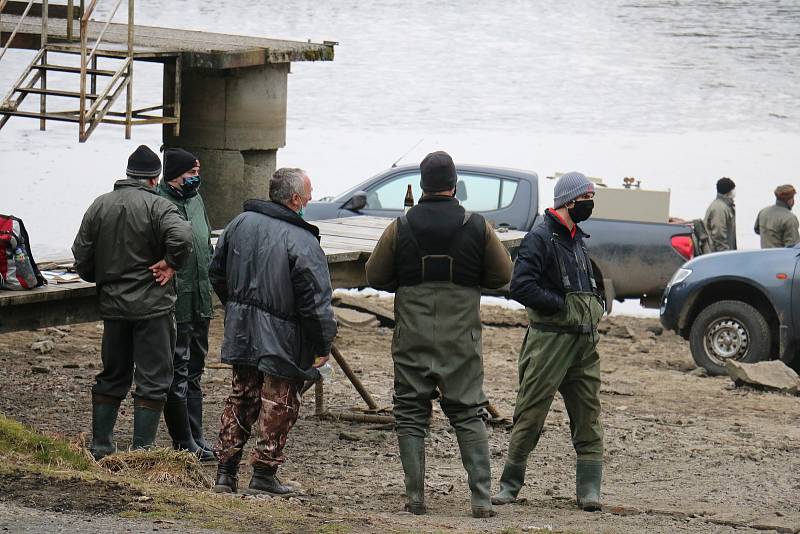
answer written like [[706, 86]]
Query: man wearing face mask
[[720, 219], [183, 412], [776, 224], [553, 279], [272, 276]]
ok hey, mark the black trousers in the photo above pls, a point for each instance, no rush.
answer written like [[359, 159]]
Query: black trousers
[[189, 360], [138, 352]]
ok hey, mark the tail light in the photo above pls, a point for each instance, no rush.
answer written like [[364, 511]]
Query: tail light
[[683, 245]]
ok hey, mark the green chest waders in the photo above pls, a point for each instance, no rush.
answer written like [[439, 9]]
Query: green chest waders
[[558, 354], [436, 350]]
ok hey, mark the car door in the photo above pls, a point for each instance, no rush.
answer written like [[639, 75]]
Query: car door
[[490, 195]]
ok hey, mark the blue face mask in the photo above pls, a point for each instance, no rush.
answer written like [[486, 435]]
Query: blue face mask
[[191, 185], [302, 211]]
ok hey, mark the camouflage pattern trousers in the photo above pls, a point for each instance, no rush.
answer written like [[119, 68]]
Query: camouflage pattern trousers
[[271, 403]]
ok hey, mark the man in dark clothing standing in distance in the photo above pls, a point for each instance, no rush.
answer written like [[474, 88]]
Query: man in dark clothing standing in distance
[[272, 275], [183, 412], [437, 258], [720, 219], [130, 243], [553, 279], [776, 224]]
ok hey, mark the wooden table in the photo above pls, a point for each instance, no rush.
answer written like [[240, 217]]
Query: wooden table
[[347, 243]]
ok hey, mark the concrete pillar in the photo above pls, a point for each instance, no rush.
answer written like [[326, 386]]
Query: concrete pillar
[[234, 120]]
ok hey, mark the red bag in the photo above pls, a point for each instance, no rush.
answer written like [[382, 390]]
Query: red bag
[[18, 270]]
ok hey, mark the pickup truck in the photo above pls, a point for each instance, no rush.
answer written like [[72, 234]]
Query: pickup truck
[[740, 306], [630, 259]]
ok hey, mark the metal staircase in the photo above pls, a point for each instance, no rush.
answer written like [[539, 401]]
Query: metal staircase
[[97, 89]]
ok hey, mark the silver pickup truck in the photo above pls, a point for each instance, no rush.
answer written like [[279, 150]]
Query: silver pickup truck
[[631, 259]]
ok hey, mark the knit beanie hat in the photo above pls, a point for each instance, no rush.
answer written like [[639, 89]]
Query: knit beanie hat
[[569, 187], [176, 162], [784, 192], [438, 172], [725, 186], [143, 164]]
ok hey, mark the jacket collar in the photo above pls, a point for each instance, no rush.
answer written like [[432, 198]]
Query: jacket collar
[[281, 212], [727, 200], [133, 182], [559, 226], [783, 204], [438, 198]]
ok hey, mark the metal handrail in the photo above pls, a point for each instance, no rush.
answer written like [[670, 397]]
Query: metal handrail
[[16, 29]]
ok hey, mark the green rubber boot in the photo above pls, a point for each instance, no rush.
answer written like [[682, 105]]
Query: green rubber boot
[[104, 417], [412, 456], [511, 482], [588, 478], [146, 415], [475, 457]]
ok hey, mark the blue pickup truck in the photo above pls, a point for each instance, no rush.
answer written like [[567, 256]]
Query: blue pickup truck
[[630, 259], [736, 306]]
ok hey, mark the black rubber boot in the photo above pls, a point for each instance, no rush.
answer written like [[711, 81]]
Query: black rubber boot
[[412, 456], [194, 407], [177, 418], [511, 482], [588, 478], [265, 481], [475, 458], [104, 417], [146, 415], [227, 478]]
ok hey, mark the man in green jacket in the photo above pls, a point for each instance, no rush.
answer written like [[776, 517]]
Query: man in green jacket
[[130, 243], [437, 258], [183, 411], [720, 219], [776, 224]]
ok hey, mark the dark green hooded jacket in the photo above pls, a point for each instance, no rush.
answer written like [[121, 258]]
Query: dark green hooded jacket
[[194, 289]]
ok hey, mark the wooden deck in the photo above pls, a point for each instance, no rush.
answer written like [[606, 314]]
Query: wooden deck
[[347, 243]]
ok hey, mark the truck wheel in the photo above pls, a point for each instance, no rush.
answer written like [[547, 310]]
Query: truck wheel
[[729, 330]]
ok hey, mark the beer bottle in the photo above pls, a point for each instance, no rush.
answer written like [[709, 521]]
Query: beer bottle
[[408, 203]]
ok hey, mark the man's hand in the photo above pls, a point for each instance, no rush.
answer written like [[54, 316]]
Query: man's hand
[[319, 361], [162, 272]]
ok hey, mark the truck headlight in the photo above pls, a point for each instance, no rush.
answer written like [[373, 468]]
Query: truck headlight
[[679, 276]]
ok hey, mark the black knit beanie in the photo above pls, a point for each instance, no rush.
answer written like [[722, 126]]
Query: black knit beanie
[[438, 172], [176, 162], [143, 164], [725, 186]]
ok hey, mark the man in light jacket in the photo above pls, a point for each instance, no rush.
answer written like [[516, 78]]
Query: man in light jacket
[[272, 275], [776, 224], [720, 219]]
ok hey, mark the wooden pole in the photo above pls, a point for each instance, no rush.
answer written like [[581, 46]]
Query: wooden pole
[[348, 371], [43, 96]]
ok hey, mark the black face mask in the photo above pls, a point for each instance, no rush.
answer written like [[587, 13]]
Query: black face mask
[[581, 211]]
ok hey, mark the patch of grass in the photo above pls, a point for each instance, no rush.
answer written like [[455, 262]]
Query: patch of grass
[[159, 465], [25, 443], [333, 528]]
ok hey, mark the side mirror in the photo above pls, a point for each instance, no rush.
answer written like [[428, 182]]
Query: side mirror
[[357, 202]]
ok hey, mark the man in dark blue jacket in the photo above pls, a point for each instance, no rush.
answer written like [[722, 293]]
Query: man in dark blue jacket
[[553, 279], [272, 275]]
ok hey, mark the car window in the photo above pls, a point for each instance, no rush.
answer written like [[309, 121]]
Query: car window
[[390, 195], [507, 192], [478, 193]]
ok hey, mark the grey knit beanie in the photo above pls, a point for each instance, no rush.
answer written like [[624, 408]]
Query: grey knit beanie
[[569, 187]]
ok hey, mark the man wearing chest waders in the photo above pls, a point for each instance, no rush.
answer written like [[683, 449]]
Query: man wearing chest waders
[[553, 279], [437, 258]]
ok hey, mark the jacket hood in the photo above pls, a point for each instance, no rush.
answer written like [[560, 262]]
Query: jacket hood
[[281, 212]]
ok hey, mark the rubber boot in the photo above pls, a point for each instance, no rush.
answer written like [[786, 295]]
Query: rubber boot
[[194, 407], [177, 418], [475, 458], [412, 456], [227, 478], [511, 482], [146, 415], [265, 481], [104, 417], [588, 478]]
